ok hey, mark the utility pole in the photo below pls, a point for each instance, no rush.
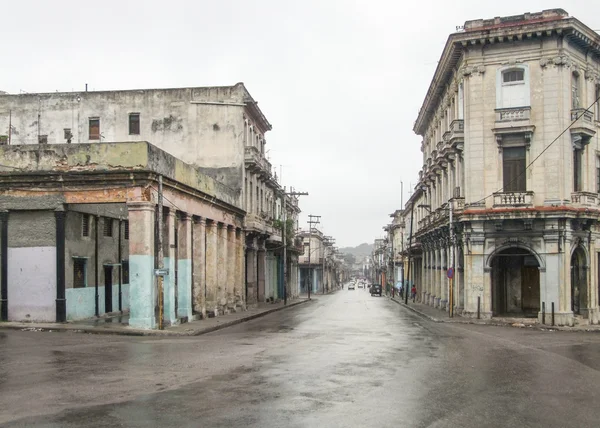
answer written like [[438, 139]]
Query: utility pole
[[284, 235], [310, 227]]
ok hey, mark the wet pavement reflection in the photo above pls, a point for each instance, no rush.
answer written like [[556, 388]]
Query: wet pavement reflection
[[347, 360]]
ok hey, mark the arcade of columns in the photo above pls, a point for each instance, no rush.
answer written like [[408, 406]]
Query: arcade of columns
[[204, 258]]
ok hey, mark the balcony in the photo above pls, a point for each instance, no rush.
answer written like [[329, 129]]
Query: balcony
[[584, 199], [456, 133], [513, 114], [584, 128], [513, 199], [256, 163], [458, 204]]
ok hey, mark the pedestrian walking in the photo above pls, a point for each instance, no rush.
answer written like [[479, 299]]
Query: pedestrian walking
[[413, 293]]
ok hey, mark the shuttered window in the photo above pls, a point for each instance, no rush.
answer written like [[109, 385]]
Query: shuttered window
[[94, 128], [85, 225], [79, 273], [577, 163], [513, 168]]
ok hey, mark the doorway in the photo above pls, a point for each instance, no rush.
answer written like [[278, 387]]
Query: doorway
[[515, 283], [579, 282], [108, 291]]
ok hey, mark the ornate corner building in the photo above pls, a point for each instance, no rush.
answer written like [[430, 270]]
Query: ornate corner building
[[508, 194]]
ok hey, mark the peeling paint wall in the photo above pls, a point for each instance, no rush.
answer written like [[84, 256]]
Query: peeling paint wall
[[201, 126]]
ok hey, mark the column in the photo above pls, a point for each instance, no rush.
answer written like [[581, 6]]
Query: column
[[61, 303], [427, 285], [199, 266], [211, 268], [169, 283], [240, 283], [184, 267], [142, 285], [221, 267], [438, 264], [251, 277], [261, 267], [443, 279], [231, 266]]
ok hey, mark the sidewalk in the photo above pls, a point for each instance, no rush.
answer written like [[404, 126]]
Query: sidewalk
[[119, 324], [440, 316]]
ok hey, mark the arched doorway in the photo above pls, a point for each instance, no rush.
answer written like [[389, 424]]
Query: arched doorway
[[579, 281], [515, 283]]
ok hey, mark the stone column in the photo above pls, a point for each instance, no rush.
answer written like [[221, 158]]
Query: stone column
[[443, 279], [199, 266], [231, 266], [142, 284], [169, 284], [261, 267], [438, 266], [251, 274], [240, 281], [426, 276], [211, 268], [222, 267], [184, 267]]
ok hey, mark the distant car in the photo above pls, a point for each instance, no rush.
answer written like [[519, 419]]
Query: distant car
[[361, 285], [376, 289], [351, 286]]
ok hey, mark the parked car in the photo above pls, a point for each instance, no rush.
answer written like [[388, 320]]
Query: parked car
[[376, 289]]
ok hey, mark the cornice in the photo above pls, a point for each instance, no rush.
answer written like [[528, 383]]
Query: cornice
[[457, 43]]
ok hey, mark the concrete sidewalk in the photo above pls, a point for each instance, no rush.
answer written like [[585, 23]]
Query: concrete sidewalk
[[119, 324], [437, 315]]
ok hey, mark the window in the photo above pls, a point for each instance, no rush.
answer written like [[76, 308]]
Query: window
[[577, 172], [42, 139], [575, 94], [85, 225], [79, 273], [3, 140], [134, 124], [108, 227], [461, 100], [126, 229], [597, 102], [68, 134], [512, 87], [598, 174], [513, 168], [125, 271], [513, 76], [94, 128]]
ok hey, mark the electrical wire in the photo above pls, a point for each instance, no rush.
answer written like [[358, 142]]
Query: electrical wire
[[541, 153]]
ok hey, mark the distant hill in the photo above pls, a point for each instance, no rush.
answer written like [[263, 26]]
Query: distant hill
[[359, 252]]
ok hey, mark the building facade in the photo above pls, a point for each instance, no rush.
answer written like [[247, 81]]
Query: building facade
[[508, 192], [80, 227], [220, 131]]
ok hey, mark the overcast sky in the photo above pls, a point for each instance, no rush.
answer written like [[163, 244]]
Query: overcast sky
[[341, 81]]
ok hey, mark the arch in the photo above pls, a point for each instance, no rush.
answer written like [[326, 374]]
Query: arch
[[521, 245], [579, 280], [515, 281]]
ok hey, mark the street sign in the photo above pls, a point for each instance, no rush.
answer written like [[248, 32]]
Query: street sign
[[450, 273], [161, 272]]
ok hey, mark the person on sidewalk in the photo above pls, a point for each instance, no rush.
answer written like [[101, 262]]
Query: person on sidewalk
[[413, 293]]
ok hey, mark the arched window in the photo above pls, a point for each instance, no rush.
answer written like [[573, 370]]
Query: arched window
[[512, 87]]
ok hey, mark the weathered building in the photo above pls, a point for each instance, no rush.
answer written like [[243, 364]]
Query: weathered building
[[318, 263], [79, 227], [218, 130], [508, 191]]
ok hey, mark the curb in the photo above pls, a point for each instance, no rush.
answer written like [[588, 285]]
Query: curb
[[540, 327], [155, 333]]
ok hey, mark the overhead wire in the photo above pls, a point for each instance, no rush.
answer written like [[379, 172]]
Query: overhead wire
[[573, 122]]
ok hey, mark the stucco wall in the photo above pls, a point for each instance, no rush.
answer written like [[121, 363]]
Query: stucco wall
[[196, 127], [31, 272]]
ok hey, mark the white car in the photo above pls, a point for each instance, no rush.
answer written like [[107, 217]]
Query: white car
[[351, 286]]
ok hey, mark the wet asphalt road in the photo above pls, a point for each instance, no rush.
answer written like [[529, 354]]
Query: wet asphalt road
[[344, 360]]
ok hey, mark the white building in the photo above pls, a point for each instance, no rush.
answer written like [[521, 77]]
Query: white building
[[511, 148]]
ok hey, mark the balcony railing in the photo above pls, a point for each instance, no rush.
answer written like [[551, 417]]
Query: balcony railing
[[513, 199], [585, 115], [585, 199], [254, 160], [513, 114]]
